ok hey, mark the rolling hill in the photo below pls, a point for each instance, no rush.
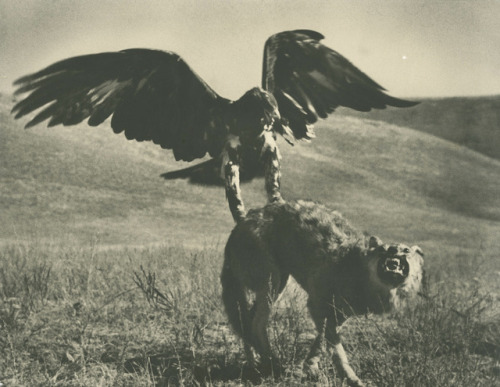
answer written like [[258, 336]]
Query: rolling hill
[[473, 122], [79, 184]]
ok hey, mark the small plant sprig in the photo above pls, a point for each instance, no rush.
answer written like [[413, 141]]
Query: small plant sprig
[[146, 281]]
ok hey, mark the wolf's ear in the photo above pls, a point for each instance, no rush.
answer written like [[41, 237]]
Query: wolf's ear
[[417, 250], [374, 242]]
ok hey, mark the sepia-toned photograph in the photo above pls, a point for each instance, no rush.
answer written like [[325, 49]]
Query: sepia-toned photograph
[[250, 193]]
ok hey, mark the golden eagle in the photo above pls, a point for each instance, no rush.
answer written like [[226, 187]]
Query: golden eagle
[[154, 95]]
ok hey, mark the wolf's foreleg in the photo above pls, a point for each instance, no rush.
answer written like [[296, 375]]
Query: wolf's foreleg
[[339, 355]]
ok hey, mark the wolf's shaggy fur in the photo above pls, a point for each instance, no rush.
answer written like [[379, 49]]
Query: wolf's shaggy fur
[[343, 271]]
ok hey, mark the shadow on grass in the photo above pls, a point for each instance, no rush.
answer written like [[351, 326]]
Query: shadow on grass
[[182, 367], [209, 172]]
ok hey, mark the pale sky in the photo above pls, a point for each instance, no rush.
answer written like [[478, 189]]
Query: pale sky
[[414, 48]]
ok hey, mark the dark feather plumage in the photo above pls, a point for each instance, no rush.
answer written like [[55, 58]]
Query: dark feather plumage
[[155, 96], [309, 80], [152, 95]]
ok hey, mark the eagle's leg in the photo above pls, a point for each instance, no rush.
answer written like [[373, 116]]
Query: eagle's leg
[[233, 191], [270, 156], [231, 172]]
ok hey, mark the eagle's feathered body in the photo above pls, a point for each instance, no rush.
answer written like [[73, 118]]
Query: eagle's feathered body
[[154, 95]]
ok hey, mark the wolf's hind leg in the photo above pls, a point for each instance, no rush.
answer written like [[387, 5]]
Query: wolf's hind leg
[[238, 307], [264, 300], [248, 339]]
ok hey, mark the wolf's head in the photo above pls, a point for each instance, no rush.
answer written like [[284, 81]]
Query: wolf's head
[[395, 267]]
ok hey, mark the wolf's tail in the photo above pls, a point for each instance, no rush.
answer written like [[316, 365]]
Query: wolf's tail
[[235, 302]]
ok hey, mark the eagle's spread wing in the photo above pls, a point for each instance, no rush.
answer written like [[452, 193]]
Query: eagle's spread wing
[[152, 95], [309, 80]]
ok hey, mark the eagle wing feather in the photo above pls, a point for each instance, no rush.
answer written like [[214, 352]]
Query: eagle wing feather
[[151, 95], [309, 80]]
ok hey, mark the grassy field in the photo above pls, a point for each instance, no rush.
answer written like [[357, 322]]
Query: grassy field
[[109, 275]]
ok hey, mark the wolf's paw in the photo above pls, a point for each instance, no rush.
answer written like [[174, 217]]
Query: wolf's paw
[[311, 371], [355, 382]]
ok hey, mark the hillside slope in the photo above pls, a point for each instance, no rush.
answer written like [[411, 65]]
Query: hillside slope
[[473, 122], [78, 184]]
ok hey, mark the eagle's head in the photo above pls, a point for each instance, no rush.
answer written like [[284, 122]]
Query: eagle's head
[[256, 111]]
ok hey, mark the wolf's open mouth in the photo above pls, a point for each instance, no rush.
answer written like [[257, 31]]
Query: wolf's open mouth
[[393, 269], [393, 265]]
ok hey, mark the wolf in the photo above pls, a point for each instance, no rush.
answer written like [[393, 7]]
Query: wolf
[[343, 271]]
